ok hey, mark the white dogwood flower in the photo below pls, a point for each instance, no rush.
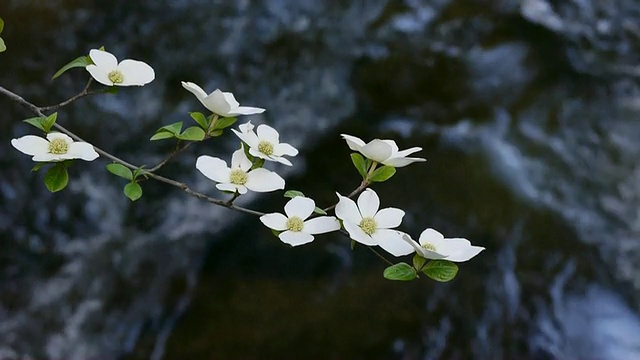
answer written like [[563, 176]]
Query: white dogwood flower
[[370, 226], [221, 103], [56, 147], [433, 245], [382, 151], [266, 143], [238, 177], [296, 229], [106, 70]]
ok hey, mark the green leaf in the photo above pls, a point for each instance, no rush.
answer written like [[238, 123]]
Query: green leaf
[[202, 120], [383, 174], [133, 191], [317, 210], [56, 178], [3, 47], [138, 171], [441, 270], [36, 121], [172, 128], [162, 134], [224, 122], [360, 164], [245, 147], [293, 193], [276, 233], [353, 244], [120, 170], [215, 133], [38, 166], [110, 90], [400, 271], [418, 262], [1, 25], [257, 163], [81, 61], [193, 133], [48, 122]]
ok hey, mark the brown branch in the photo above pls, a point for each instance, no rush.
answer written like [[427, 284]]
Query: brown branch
[[363, 185], [83, 93]]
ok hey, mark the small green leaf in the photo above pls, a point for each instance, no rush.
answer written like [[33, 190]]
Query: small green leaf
[[110, 90], [48, 122], [293, 193], [276, 233], [383, 174], [418, 262], [81, 61], [133, 191], [1, 25], [441, 270], [360, 164], [353, 244], [172, 128], [400, 271], [56, 178], [138, 171], [215, 133], [120, 170], [224, 122], [245, 147], [36, 121], [202, 120], [317, 210], [3, 47], [257, 163], [162, 134], [193, 133], [38, 166]]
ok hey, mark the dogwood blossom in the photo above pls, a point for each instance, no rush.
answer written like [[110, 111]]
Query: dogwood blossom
[[238, 177], [56, 147], [369, 225], [106, 70], [382, 151], [221, 103], [433, 245], [266, 143], [296, 230]]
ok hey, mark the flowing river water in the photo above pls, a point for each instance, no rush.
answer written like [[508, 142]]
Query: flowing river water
[[528, 113]]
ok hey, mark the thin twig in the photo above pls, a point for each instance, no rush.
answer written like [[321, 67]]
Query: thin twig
[[169, 157], [83, 93], [363, 185], [38, 111], [380, 256]]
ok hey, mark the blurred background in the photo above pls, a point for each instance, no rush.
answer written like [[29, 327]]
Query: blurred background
[[528, 114]]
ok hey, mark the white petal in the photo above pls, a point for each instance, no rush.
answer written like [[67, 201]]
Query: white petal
[[353, 142], [274, 221], [431, 236], [249, 137], [195, 90], [321, 225], [284, 149], [104, 60], [246, 110], [391, 241], [368, 203], [280, 159], [294, 238], [267, 133], [407, 152], [48, 157], [31, 145], [99, 74], [388, 218], [402, 161], [232, 188], [246, 127], [377, 150], [213, 168], [299, 206], [231, 100], [347, 210], [58, 135], [82, 150], [135, 73], [217, 103], [459, 250], [256, 153], [263, 180], [394, 146], [239, 160], [357, 234]]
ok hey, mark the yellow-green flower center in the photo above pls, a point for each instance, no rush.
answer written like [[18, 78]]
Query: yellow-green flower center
[[116, 77], [58, 146], [265, 147], [368, 225], [429, 246], [294, 223], [238, 177]]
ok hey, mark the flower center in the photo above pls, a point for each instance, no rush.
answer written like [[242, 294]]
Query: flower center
[[368, 225], [294, 223], [265, 147], [58, 146], [238, 177], [429, 246], [116, 77]]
